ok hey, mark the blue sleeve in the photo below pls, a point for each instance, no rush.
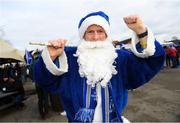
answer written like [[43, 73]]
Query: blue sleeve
[[43, 77], [141, 70]]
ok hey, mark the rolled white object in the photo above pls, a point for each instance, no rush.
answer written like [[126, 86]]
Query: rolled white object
[[43, 43], [40, 43]]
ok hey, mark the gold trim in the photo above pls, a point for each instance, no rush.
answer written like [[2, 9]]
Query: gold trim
[[107, 103], [88, 94]]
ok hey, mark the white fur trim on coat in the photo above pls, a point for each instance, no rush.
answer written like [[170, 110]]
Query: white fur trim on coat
[[125, 120], [51, 66], [150, 49], [98, 20]]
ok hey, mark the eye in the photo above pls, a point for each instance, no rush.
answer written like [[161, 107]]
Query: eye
[[90, 31], [100, 31]]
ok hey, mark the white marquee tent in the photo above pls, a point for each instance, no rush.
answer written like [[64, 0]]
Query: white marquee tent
[[7, 51]]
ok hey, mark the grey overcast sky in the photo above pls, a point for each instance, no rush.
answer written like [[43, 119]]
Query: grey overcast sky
[[42, 20]]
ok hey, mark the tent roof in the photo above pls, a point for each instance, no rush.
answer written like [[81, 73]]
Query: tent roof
[[8, 51]]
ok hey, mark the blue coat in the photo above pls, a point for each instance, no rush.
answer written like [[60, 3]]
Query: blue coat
[[132, 73]]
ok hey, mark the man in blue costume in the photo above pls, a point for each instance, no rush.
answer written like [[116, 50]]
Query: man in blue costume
[[93, 79]]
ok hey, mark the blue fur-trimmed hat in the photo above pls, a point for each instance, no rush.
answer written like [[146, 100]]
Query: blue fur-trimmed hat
[[98, 18]]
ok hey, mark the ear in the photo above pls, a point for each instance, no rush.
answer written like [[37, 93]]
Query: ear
[[84, 35]]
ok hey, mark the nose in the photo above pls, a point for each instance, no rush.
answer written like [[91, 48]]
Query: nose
[[96, 36]]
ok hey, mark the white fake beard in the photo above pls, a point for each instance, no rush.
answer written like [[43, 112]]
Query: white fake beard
[[96, 60]]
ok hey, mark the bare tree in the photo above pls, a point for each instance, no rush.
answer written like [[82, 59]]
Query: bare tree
[[174, 38], [2, 33]]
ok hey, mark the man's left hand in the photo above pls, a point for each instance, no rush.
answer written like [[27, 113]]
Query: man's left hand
[[135, 23]]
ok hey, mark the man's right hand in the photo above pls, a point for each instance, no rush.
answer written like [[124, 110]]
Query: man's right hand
[[56, 48]]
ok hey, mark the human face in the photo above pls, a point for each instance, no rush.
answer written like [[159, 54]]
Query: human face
[[95, 33]]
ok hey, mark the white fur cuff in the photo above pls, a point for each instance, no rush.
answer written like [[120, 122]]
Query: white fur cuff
[[150, 49], [51, 66]]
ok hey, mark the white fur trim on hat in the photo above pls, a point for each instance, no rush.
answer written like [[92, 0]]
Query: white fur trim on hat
[[51, 66], [98, 20]]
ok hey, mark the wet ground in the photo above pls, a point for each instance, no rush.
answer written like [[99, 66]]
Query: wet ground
[[157, 101]]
